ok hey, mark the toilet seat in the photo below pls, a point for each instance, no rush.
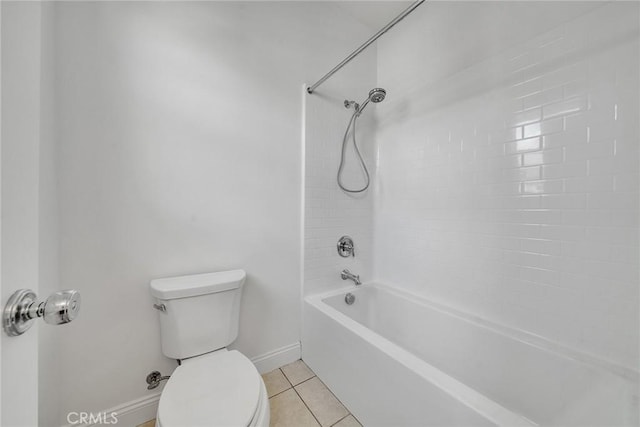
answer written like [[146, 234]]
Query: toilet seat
[[217, 389]]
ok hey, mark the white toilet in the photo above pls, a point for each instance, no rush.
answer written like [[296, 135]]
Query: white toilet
[[212, 387]]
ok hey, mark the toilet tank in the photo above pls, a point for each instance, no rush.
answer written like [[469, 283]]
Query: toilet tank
[[201, 312]]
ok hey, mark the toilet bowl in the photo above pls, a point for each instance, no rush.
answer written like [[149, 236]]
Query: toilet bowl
[[212, 387]]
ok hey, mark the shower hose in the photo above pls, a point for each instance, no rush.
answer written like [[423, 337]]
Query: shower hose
[[352, 123]]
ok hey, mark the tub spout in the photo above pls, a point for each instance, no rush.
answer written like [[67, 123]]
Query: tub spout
[[347, 275]]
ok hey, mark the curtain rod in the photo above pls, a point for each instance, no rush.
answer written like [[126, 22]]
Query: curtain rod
[[366, 44]]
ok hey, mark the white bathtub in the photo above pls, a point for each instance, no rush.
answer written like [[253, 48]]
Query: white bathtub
[[397, 360]]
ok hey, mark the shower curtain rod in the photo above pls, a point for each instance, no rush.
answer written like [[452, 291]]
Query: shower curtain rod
[[366, 44]]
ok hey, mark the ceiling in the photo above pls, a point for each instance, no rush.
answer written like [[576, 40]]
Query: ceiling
[[373, 14]]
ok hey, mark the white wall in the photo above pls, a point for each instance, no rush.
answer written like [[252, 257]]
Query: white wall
[[508, 176], [178, 132]]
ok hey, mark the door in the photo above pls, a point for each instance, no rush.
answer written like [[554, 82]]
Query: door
[[20, 41]]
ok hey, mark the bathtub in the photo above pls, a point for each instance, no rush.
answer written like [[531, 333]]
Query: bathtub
[[395, 359]]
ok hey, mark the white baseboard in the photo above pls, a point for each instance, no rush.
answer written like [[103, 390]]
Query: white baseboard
[[128, 414], [138, 411], [276, 358]]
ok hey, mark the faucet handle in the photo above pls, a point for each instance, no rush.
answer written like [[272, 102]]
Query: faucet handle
[[346, 247]]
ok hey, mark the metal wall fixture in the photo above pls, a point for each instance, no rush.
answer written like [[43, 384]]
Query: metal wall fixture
[[346, 247], [23, 308], [154, 378], [347, 275], [365, 45]]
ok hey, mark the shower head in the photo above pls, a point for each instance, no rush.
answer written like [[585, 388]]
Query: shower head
[[377, 95]]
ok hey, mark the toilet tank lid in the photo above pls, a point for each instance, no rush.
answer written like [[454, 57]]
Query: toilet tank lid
[[196, 284]]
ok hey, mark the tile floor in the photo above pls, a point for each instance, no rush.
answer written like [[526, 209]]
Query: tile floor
[[299, 399]]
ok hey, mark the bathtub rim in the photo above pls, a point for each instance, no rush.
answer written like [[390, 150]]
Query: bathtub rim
[[519, 335]]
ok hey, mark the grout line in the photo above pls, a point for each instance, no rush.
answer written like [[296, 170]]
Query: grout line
[[341, 419], [307, 406], [280, 392], [336, 397], [305, 403], [299, 360], [357, 420], [285, 376], [354, 417], [288, 382], [310, 378]]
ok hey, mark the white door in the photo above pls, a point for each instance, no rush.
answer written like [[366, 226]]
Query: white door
[[20, 37]]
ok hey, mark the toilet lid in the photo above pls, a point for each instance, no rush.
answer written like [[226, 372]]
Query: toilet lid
[[219, 389]]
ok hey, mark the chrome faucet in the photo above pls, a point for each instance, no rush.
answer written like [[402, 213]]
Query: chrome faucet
[[347, 275]]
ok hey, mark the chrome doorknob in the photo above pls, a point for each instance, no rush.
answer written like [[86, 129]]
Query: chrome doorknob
[[61, 307], [22, 308]]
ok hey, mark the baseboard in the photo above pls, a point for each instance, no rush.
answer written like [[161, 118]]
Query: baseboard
[[138, 411], [274, 359], [128, 414]]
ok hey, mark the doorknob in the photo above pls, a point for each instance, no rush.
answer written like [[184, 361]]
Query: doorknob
[[22, 308]]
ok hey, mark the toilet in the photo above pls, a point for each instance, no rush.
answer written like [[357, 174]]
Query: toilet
[[212, 387]]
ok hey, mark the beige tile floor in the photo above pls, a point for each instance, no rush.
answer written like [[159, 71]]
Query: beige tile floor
[[299, 399]]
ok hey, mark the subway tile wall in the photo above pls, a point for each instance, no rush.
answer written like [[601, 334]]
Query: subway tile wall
[[330, 213], [510, 188]]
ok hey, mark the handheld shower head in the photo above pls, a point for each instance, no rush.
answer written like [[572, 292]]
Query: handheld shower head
[[377, 95]]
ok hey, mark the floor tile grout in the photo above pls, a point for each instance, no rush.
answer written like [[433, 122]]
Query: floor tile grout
[[307, 406], [308, 379], [285, 376], [329, 390], [290, 382], [341, 419], [325, 386], [286, 379], [300, 396], [279, 393]]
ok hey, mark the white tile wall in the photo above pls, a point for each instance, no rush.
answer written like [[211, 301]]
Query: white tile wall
[[329, 212], [510, 188]]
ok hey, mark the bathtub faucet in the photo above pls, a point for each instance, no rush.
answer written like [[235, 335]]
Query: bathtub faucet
[[347, 275]]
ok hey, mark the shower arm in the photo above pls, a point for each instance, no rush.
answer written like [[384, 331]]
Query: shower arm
[[365, 45]]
